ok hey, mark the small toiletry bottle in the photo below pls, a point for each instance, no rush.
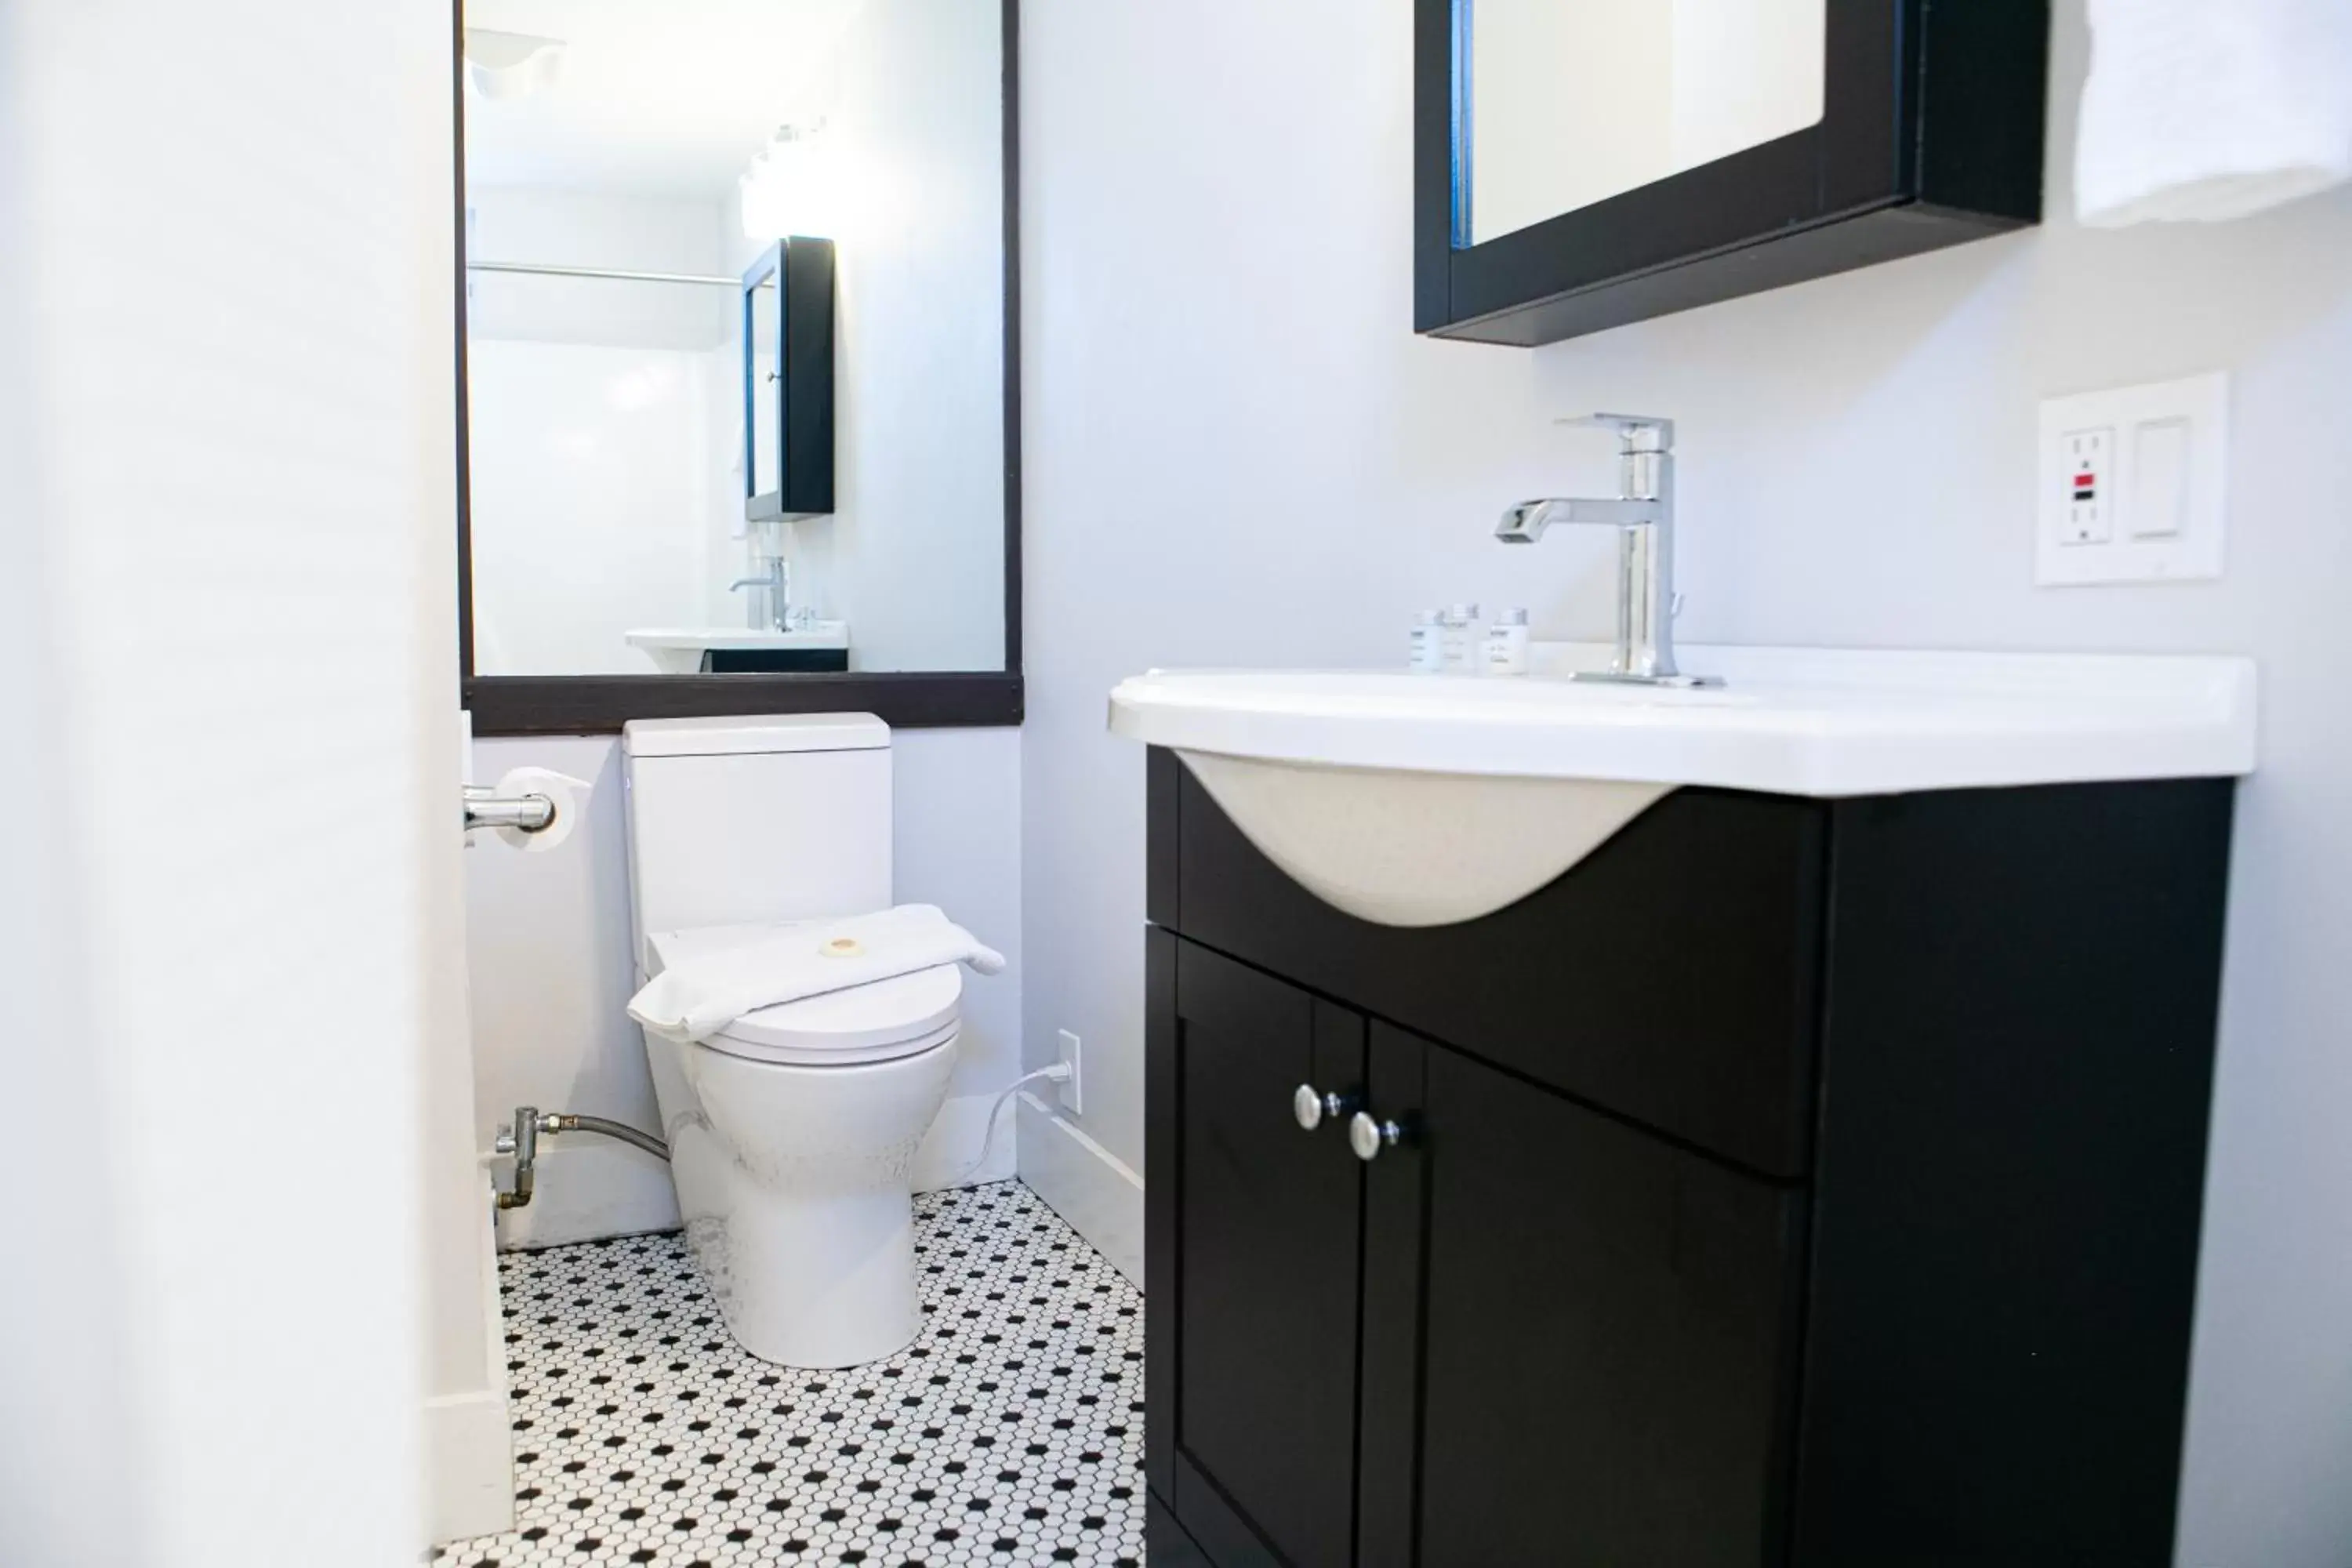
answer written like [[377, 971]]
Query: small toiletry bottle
[[1507, 644], [1428, 655], [1461, 640]]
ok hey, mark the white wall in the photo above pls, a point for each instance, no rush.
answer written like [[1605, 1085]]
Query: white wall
[[1295, 472], [580, 228], [550, 949], [219, 828]]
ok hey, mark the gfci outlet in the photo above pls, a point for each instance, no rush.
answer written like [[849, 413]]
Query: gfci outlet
[[1073, 1088], [2132, 484], [2090, 486]]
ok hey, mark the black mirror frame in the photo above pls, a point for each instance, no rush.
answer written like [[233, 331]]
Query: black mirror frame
[[1931, 134], [601, 704]]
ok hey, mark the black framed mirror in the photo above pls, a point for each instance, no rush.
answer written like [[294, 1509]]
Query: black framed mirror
[[737, 363], [787, 325], [1579, 164]]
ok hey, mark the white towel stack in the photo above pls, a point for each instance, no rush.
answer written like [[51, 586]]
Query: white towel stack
[[699, 996], [2212, 108]]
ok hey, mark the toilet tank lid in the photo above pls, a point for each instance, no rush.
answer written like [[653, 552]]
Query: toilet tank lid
[[753, 734]]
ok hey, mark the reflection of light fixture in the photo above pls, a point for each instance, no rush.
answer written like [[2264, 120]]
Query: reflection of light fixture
[[511, 65], [790, 187]]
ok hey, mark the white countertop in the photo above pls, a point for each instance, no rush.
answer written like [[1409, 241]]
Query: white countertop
[[1810, 722]]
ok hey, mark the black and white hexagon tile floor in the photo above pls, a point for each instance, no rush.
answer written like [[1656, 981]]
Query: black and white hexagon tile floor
[[1010, 1432]]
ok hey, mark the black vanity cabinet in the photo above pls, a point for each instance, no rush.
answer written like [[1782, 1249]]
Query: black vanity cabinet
[[1583, 163], [1791, 1181]]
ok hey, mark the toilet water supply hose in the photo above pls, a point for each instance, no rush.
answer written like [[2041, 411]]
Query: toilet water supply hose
[[522, 1140]]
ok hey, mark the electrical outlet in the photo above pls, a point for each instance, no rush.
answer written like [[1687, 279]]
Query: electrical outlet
[[2087, 478], [1073, 1088], [2132, 484]]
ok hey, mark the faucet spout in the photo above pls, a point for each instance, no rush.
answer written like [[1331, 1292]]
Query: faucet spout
[[1525, 523]]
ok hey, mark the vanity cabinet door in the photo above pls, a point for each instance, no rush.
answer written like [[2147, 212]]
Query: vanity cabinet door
[[1266, 1248], [1607, 1330]]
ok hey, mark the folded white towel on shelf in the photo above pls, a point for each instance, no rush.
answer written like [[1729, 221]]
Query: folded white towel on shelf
[[699, 996], [2211, 109]]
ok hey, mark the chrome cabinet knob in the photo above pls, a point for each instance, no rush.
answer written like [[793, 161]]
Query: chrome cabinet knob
[[1309, 1106], [1368, 1137]]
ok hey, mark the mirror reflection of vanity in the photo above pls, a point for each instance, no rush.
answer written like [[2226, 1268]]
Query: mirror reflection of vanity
[[735, 434], [1583, 163]]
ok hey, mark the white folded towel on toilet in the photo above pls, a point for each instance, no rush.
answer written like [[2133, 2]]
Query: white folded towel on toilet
[[2211, 109], [699, 996]]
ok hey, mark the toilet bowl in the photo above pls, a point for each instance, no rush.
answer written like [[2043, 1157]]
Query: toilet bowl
[[792, 1133]]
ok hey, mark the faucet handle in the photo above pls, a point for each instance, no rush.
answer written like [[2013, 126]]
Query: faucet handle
[[1635, 432]]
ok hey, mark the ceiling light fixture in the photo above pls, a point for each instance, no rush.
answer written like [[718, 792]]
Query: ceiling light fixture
[[792, 188], [511, 65]]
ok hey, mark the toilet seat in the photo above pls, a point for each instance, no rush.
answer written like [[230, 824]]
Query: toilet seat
[[902, 1016]]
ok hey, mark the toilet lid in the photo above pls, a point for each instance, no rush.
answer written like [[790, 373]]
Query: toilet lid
[[879, 1022]]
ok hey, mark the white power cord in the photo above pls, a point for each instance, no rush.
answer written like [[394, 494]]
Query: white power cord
[[1059, 1073]]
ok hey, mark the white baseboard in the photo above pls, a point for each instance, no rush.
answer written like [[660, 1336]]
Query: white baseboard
[[588, 1188], [1084, 1183], [954, 1144], [468, 1451], [471, 1479]]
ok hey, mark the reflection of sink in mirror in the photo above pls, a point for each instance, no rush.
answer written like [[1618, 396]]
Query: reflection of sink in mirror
[[819, 646]]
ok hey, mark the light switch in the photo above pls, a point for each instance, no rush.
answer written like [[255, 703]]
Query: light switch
[[2158, 504], [2132, 484]]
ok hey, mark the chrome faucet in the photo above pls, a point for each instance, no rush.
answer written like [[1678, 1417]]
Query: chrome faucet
[[1642, 513], [774, 613]]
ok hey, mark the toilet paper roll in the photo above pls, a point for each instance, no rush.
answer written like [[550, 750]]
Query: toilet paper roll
[[570, 796]]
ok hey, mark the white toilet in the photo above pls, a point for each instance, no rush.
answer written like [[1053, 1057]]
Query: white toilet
[[792, 1130]]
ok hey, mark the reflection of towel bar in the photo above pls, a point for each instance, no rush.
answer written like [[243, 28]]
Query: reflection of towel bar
[[541, 269], [487, 808]]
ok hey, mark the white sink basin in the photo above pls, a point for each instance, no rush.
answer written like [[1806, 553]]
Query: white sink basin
[[678, 650], [1422, 800]]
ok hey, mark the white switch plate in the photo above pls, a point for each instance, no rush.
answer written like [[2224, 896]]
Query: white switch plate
[[1073, 1088], [2154, 511]]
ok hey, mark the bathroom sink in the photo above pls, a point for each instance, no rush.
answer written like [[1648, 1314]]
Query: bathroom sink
[[1423, 800], [724, 650]]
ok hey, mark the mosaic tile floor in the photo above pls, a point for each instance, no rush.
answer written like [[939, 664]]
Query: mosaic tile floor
[[1010, 1432]]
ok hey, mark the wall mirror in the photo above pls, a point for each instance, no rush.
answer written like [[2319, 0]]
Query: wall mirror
[[787, 360], [1579, 164], [738, 370]]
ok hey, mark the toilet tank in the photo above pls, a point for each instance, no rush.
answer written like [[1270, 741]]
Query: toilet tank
[[779, 817]]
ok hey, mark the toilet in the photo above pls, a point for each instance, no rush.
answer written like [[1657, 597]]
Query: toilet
[[792, 1130]]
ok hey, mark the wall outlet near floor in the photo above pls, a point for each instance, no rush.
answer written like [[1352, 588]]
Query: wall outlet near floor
[[1072, 1089], [2132, 484]]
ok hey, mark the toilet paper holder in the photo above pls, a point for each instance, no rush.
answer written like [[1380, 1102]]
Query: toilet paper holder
[[484, 807]]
